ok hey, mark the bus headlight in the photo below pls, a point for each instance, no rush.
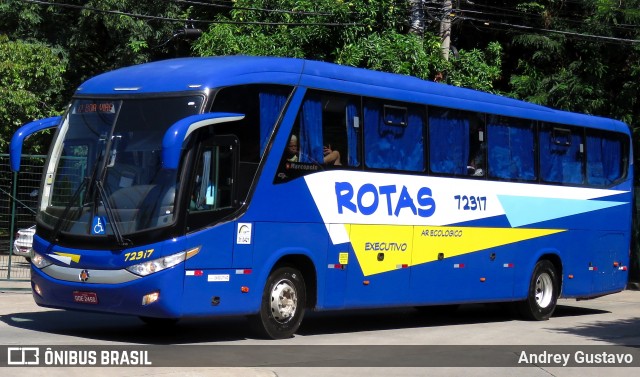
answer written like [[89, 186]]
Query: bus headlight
[[39, 261], [150, 267]]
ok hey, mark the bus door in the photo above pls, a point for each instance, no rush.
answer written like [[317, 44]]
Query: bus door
[[212, 192], [379, 261]]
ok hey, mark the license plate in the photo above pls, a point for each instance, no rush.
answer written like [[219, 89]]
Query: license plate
[[85, 297]]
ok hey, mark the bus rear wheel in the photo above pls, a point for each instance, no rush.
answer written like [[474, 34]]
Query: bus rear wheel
[[282, 305], [543, 293]]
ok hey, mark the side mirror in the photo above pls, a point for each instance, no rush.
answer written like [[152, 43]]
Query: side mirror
[[172, 142], [15, 148]]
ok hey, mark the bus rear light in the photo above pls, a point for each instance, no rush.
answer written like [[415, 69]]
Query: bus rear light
[[150, 298], [243, 272], [622, 268]]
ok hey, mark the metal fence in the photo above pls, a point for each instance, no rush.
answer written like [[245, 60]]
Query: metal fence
[[18, 201]]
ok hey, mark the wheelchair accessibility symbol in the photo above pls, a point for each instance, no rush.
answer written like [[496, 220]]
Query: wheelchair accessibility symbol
[[98, 225]]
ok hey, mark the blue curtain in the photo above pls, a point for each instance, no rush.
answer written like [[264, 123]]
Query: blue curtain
[[511, 152], [375, 147], [271, 105], [310, 139], [448, 143], [352, 135], [611, 157], [413, 142], [560, 162], [394, 142], [603, 156]]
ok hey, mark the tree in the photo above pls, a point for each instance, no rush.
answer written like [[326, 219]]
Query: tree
[[370, 34], [577, 56], [30, 84], [99, 35]]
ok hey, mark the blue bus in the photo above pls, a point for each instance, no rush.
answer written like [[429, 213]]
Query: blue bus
[[265, 187]]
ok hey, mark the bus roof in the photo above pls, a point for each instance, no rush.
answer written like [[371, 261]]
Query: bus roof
[[198, 74]]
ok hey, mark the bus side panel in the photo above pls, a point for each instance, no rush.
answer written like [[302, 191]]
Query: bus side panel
[[380, 272], [340, 258], [476, 277], [609, 262], [216, 247], [214, 292]]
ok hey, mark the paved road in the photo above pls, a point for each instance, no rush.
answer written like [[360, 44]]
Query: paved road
[[477, 337]]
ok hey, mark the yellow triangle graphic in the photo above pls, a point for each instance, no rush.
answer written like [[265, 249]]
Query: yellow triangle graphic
[[383, 248], [73, 257]]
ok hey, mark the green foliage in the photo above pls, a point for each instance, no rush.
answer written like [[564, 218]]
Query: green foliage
[[30, 84], [477, 69], [578, 73], [394, 52], [369, 34]]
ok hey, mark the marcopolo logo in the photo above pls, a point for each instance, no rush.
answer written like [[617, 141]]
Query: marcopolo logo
[[390, 200]]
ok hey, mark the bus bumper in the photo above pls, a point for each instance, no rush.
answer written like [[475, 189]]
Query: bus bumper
[[171, 293]]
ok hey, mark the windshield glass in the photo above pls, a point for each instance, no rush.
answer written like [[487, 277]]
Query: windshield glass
[[105, 174]]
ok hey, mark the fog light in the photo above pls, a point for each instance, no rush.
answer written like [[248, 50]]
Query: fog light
[[36, 288], [150, 298]]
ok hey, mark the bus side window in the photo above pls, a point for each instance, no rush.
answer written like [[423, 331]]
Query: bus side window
[[325, 135], [561, 154], [449, 139], [605, 153], [511, 148], [212, 188], [393, 136]]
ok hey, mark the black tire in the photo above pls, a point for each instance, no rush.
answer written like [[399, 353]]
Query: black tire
[[282, 306], [544, 289]]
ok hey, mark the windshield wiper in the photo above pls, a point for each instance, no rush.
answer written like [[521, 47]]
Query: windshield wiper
[[64, 219], [122, 242]]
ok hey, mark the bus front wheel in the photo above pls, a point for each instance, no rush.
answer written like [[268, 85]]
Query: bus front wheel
[[282, 305], [543, 293]]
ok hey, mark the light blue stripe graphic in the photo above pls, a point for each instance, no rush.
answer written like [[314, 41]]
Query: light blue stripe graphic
[[523, 210]]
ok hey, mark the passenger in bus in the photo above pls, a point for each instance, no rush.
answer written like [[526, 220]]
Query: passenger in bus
[[292, 149], [331, 156]]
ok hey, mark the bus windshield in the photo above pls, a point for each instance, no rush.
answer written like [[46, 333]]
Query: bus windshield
[[105, 175]]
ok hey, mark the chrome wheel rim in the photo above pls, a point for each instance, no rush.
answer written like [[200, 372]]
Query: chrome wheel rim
[[284, 300], [544, 290]]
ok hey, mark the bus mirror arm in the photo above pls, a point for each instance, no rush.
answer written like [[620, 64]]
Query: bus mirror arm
[[15, 148], [173, 140]]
